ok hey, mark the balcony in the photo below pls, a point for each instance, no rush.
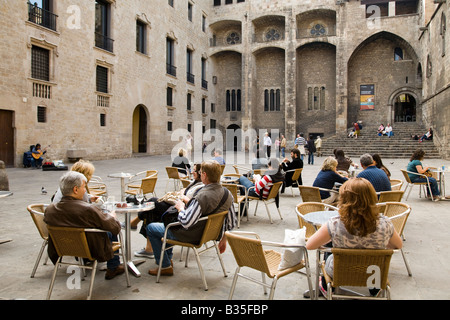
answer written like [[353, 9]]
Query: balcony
[[204, 84], [190, 77], [103, 42], [170, 69], [41, 17]]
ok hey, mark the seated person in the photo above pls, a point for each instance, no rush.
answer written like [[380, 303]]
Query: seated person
[[427, 136], [211, 199], [72, 211], [415, 165], [379, 164], [162, 206], [87, 169], [388, 130], [182, 162], [381, 130], [218, 157], [358, 226], [377, 177], [263, 185], [327, 178], [344, 162], [37, 154], [287, 165]]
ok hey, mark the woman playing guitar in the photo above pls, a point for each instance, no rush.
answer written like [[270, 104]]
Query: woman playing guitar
[[37, 154]]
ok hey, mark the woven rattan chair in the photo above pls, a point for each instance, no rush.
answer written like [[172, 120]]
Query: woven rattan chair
[[295, 177], [312, 194], [358, 268], [398, 213], [274, 190], [412, 184], [307, 207], [238, 199], [243, 169], [212, 231], [185, 182], [73, 242], [174, 175], [37, 214], [97, 187], [250, 252], [147, 186], [134, 182], [396, 184]]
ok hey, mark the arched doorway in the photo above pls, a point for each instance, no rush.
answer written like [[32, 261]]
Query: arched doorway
[[405, 108], [140, 129], [235, 145]]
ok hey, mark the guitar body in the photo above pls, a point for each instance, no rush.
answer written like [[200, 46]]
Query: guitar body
[[36, 156]]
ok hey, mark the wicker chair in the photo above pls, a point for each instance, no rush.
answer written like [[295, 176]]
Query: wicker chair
[[270, 198], [134, 182], [173, 174], [357, 268], [396, 184], [250, 253], [307, 207], [213, 228], [185, 182], [147, 186], [295, 177], [73, 242], [412, 184], [37, 214], [233, 188], [312, 194], [398, 213]]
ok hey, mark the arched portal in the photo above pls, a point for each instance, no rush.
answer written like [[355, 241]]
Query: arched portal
[[405, 108], [236, 146], [140, 129]]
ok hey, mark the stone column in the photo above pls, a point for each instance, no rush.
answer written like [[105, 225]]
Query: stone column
[[290, 77], [4, 183]]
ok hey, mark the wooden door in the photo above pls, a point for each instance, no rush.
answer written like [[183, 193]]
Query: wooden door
[[7, 138]]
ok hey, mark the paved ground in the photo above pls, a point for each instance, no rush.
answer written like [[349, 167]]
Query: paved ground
[[425, 246]]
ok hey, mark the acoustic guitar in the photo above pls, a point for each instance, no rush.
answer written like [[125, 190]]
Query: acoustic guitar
[[41, 152]]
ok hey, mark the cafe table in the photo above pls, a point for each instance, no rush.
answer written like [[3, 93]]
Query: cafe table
[[128, 210], [122, 176], [4, 194], [318, 218], [441, 180]]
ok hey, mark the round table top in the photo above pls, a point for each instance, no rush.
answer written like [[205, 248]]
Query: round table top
[[319, 218], [4, 194], [120, 175], [135, 208]]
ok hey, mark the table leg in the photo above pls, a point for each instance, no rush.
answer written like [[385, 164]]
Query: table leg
[[131, 263]]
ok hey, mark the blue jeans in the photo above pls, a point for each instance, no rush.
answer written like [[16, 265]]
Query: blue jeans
[[311, 158], [155, 232], [433, 185], [283, 152], [115, 261], [247, 185]]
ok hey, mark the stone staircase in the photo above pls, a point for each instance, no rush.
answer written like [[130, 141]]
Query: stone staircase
[[401, 145]]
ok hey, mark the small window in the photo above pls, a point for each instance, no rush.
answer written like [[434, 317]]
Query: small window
[[171, 3], [203, 105], [41, 114], [212, 124], [189, 101], [169, 126], [102, 79], [102, 120], [228, 1], [217, 2], [190, 9], [169, 96], [203, 23], [189, 127], [240, 1], [141, 37], [213, 107], [398, 54]]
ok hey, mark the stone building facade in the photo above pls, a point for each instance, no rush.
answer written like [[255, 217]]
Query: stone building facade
[[110, 78]]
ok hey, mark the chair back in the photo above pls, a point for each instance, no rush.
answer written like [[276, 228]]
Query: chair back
[[148, 184], [307, 207], [213, 227], [406, 176], [70, 242], [233, 188], [395, 196], [37, 214], [297, 174], [274, 190], [310, 194], [248, 252], [185, 182], [352, 267], [396, 184], [151, 173], [398, 213], [222, 168], [172, 173]]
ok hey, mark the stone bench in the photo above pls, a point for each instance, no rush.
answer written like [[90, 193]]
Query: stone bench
[[75, 154]]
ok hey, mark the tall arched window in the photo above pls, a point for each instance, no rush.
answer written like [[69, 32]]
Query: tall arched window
[[266, 100], [443, 31], [272, 100], [228, 101]]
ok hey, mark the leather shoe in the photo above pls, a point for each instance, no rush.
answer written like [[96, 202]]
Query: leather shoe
[[164, 271], [111, 273]]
